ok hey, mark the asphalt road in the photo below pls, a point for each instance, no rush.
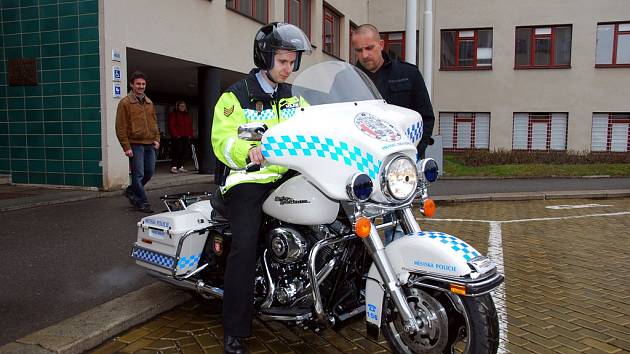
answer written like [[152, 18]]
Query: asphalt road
[[62, 260]]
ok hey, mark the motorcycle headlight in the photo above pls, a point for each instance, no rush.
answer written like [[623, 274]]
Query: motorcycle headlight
[[400, 179]]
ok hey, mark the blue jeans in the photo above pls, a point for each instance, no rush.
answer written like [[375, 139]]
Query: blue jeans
[[391, 234], [142, 169]]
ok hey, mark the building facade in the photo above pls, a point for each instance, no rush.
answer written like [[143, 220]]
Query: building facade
[[534, 75]]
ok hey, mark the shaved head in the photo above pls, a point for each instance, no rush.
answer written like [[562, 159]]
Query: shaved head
[[368, 30]]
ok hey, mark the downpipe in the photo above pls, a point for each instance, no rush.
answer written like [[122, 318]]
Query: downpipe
[[198, 286]]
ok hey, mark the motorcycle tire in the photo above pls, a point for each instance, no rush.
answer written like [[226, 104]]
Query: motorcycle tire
[[476, 333]]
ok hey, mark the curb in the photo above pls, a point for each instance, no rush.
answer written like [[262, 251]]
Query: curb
[[93, 327], [590, 194]]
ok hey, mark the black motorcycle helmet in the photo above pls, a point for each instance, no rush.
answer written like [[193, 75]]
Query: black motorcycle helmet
[[278, 35]]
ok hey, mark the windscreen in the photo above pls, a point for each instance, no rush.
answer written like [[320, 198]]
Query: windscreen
[[334, 82]]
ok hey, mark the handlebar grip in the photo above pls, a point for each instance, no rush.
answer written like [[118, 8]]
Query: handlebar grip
[[252, 167]]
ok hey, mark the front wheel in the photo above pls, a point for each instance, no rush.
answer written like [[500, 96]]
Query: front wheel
[[448, 324]]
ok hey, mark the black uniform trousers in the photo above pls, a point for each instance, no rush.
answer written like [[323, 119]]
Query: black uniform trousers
[[243, 206]]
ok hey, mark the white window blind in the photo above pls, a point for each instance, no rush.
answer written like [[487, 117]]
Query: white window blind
[[558, 131], [519, 133], [446, 129], [619, 138], [599, 132], [464, 132], [482, 130], [539, 136]]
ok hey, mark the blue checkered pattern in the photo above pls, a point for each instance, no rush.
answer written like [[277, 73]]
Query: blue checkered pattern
[[152, 257], [325, 148], [253, 115], [455, 244], [189, 262], [287, 113], [414, 131]]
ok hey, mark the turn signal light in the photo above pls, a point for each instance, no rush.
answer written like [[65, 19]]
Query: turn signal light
[[146, 240], [362, 227], [458, 289], [428, 208]]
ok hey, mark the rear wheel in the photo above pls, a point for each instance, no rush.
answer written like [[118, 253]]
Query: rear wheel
[[448, 324]]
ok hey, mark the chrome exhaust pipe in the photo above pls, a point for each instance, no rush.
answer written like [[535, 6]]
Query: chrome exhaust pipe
[[199, 286]]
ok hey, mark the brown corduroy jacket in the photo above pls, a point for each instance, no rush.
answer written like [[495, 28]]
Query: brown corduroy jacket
[[136, 122]]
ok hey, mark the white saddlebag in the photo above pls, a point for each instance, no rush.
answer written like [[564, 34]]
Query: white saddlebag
[[165, 245]]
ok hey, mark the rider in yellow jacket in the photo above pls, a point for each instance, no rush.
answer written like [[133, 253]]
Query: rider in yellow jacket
[[263, 96]]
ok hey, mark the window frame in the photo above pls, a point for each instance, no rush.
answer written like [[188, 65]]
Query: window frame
[[330, 12], [615, 41], [613, 118], [532, 48], [287, 4], [475, 37], [536, 117], [387, 42], [352, 55], [236, 9], [473, 129]]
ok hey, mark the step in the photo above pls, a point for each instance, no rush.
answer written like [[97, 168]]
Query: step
[[5, 179]]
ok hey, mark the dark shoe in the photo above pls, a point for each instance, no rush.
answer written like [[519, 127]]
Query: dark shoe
[[234, 345], [145, 209], [132, 198]]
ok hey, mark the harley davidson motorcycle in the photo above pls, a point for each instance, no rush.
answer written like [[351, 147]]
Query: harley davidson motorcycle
[[321, 259]]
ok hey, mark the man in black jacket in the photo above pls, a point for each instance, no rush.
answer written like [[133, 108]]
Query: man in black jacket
[[399, 83]]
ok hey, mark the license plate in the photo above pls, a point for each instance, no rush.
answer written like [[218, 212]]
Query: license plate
[[155, 233]]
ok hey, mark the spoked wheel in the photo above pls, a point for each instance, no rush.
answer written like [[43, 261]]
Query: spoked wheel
[[444, 326]]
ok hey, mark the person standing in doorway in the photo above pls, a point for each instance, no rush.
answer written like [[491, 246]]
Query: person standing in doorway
[[399, 83], [138, 133], [181, 131]]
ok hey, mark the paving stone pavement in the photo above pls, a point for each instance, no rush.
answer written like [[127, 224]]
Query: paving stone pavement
[[567, 287]]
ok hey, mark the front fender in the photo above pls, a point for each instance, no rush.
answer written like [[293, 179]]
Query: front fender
[[439, 255]]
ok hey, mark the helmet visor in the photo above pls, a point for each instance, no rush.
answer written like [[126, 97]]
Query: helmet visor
[[290, 37]]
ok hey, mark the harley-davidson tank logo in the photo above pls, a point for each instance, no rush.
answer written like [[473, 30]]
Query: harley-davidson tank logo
[[289, 200], [376, 128]]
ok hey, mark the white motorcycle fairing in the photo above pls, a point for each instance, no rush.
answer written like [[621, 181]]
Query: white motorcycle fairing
[[363, 135], [429, 253], [298, 202]]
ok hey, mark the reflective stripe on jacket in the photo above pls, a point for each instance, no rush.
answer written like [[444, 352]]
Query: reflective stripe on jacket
[[246, 102]]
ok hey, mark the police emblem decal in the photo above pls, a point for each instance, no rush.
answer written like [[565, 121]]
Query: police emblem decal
[[376, 128], [259, 106], [228, 111]]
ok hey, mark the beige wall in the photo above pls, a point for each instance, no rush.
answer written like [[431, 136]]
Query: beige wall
[[200, 31], [580, 91]]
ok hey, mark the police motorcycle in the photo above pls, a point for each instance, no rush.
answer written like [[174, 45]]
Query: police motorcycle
[[321, 259]]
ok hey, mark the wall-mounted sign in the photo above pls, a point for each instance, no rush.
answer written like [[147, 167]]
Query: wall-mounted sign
[[117, 90], [116, 73], [22, 72], [116, 55]]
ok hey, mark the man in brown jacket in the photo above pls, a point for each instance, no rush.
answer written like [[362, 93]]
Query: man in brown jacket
[[139, 136]]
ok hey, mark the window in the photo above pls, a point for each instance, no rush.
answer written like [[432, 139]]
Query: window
[[466, 49], [298, 12], [543, 47], [539, 131], [255, 9], [465, 130], [611, 132], [352, 56], [331, 31], [394, 44], [613, 44]]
